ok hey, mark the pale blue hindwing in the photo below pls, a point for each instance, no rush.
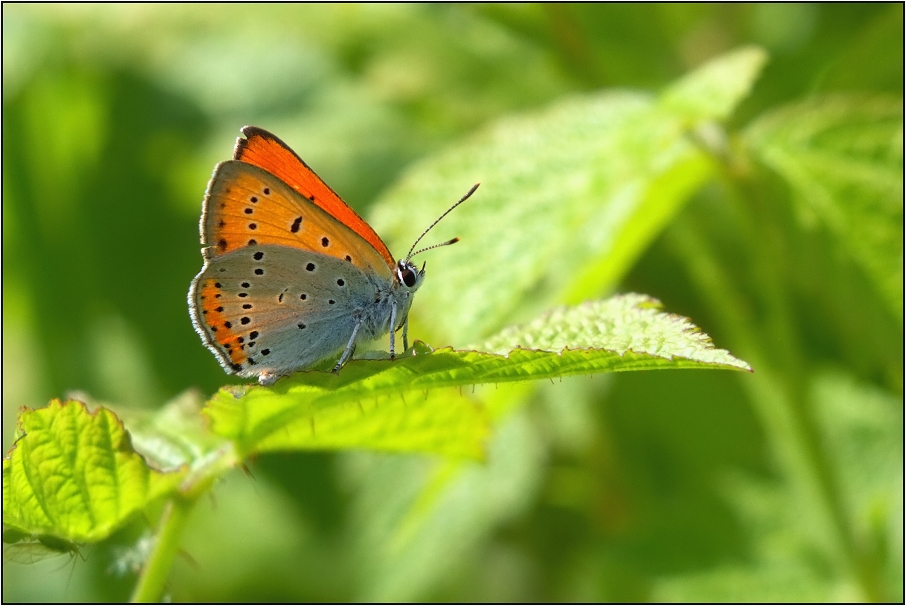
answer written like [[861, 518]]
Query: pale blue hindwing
[[301, 315]]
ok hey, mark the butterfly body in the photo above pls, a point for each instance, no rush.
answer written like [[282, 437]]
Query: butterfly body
[[291, 274]]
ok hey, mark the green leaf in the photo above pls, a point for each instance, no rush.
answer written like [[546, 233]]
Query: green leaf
[[843, 159], [713, 90], [174, 435], [570, 197], [365, 407], [630, 328], [386, 405], [74, 475]]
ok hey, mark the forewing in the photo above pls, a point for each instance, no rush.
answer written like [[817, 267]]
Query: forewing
[[266, 151], [246, 206]]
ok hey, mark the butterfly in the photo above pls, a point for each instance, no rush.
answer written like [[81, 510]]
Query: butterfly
[[292, 275]]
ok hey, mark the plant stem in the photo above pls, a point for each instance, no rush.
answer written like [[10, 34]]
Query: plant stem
[[781, 402], [794, 382], [207, 471], [151, 583]]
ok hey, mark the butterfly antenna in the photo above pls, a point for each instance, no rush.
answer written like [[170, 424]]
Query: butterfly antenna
[[454, 240], [418, 252]]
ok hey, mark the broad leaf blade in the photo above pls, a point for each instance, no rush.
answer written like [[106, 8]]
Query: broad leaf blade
[[843, 158], [570, 197], [387, 405], [713, 90], [74, 475], [546, 179], [630, 326], [368, 406]]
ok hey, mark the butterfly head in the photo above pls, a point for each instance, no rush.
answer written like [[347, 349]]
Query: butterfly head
[[408, 275]]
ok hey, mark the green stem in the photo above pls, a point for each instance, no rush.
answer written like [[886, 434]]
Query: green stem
[[781, 400], [765, 219], [153, 578]]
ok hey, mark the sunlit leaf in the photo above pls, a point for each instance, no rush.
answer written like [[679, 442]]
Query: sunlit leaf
[[73, 474], [366, 407], [625, 324], [570, 197], [713, 90], [556, 190], [387, 405]]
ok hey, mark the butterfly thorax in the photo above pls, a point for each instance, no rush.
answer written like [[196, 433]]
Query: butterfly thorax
[[398, 292]]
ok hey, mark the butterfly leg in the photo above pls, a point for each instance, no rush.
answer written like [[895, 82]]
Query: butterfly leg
[[392, 329], [406, 334], [350, 347]]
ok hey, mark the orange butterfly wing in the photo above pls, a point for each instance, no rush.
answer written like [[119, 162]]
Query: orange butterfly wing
[[247, 208], [261, 148]]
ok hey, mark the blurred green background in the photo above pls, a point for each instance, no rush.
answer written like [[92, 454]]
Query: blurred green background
[[670, 486]]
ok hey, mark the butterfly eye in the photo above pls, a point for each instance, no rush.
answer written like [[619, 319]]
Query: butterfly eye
[[407, 274], [408, 277]]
